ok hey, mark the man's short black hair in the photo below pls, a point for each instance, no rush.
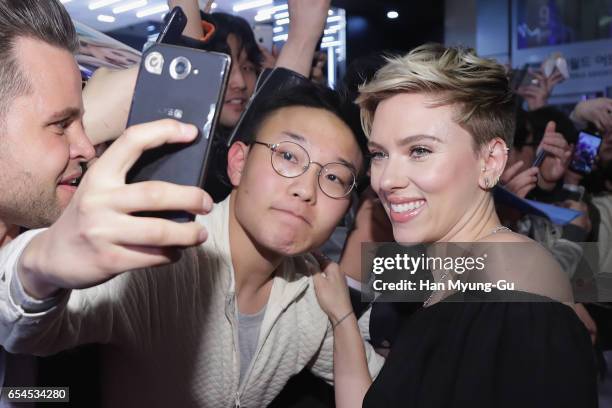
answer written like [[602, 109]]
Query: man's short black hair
[[307, 94]]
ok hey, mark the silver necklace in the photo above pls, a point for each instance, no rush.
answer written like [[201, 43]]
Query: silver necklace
[[445, 274]]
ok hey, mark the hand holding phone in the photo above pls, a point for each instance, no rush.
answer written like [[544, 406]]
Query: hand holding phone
[[187, 85]]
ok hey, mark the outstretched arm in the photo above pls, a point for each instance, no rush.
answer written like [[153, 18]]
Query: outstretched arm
[[308, 19]]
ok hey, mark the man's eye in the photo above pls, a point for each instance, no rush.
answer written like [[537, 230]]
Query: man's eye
[[287, 156], [62, 125], [248, 68], [336, 179]]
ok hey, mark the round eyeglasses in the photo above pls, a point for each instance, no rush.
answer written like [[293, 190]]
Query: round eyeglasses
[[336, 180]]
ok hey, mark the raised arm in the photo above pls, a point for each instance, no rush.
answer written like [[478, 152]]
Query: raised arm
[[108, 94], [191, 9], [308, 19]]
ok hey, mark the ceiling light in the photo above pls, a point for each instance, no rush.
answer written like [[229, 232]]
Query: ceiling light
[[106, 19], [251, 5], [284, 14], [101, 3], [392, 15], [162, 8], [282, 21], [129, 6]]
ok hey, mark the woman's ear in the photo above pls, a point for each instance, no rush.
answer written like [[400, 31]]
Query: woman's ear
[[494, 157], [236, 161]]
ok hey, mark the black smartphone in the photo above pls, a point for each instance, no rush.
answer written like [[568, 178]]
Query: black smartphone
[[585, 153], [172, 31], [187, 85]]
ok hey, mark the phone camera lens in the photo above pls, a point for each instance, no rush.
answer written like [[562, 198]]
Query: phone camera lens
[[180, 68]]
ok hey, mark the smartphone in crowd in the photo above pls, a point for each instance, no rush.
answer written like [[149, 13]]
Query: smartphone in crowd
[[264, 35], [188, 85], [172, 31], [585, 153]]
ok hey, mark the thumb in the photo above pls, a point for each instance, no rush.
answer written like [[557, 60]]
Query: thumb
[[550, 127]]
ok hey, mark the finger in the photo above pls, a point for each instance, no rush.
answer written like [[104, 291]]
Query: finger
[[323, 260], [553, 150], [550, 127], [155, 232], [124, 152], [129, 258], [512, 171], [161, 196], [523, 191]]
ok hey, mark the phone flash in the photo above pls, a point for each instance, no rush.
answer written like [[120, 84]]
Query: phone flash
[[154, 63], [178, 114]]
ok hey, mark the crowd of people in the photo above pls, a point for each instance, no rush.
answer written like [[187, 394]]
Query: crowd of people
[[245, 306]]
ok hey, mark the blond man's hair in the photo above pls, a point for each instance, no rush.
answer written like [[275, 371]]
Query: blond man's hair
[[476, 87]]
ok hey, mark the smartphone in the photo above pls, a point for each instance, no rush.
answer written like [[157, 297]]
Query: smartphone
[[585, 152], [264, 35], [188, 85], [172, 31]]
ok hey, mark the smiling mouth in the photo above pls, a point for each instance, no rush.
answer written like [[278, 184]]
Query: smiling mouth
[[235, 102], [72, 182], [406, 207]]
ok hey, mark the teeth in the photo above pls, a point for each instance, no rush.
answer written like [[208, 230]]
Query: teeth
[[235, 101], [411, 206]]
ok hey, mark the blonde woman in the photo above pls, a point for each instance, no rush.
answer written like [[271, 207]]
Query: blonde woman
[[439, 121]]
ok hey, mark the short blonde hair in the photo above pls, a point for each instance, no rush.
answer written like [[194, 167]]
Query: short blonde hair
[[456, 76]]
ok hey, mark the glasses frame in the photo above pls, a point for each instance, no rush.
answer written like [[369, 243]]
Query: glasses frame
[[274, 146]]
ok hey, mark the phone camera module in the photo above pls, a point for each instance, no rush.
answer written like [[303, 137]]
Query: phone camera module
[[180, 68], [154, 63]]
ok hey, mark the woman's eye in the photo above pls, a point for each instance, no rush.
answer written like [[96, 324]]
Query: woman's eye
[[419, 152], [378, 155]]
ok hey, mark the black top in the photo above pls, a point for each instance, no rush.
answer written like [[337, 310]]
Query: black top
[[488, 355]]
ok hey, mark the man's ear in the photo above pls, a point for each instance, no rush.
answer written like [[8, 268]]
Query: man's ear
[[236, 160]]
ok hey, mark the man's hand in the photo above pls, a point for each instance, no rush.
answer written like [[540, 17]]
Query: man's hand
[[597, 111], [520, 183], [536, 95], [97, 237], [556, 161]]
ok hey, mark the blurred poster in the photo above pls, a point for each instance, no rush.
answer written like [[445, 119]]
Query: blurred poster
[[579, 30], [99, 50], [556, 22]]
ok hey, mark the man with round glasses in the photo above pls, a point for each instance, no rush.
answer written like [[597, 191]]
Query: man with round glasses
[[233, 320], [290, 160]]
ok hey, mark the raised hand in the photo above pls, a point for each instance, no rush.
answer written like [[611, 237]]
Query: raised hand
[[520, 182], [97, 237], [558, 156]]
